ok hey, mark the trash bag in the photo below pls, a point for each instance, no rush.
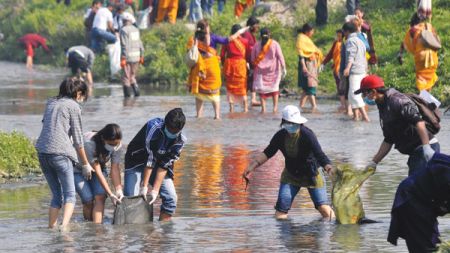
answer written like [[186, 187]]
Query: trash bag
[[114, 57], [133, 210], [345, 193], [143, 18]]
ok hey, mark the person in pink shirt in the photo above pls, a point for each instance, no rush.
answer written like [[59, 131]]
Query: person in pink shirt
[[30, 42], [249, 35], [269, 68]]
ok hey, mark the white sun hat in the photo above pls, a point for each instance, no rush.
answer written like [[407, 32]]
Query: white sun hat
[[128, 16], [292, 114]]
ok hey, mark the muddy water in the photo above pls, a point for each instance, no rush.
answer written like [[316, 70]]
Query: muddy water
[[214, 212]]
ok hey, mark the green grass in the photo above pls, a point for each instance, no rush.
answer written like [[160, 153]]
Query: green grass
[[18, 156], [165, 44]]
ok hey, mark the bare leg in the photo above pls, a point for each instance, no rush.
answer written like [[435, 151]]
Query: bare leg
[[165, 216], [263, 105], [342, 100], [245, 104], [303, 98], [231, 107], [349, 109], [365, 117], [68, 211], [52, 217], [326, 212], [313, 103], [29, 63], [254, 101], [199, 107], [356, 115], [87, 210], [99, 208], [280, 215], [216, 106], [275, 103]]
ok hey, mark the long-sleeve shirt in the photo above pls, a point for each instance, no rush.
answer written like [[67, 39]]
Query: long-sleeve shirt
[[335, 54], [131, 43], [32, 41], [355, 53], [309, 152], [216, 39], [85, 52], [251, 39], [61, 126], [151, 148]]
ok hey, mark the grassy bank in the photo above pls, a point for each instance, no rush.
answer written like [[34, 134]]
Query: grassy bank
[[18, 156], [165, 44]]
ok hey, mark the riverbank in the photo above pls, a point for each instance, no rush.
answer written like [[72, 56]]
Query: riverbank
[[165, 44]]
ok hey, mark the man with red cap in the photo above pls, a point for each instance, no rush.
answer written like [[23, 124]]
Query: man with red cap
[[401, 122]]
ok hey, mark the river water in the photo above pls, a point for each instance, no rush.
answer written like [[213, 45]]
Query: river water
[[214, 212]]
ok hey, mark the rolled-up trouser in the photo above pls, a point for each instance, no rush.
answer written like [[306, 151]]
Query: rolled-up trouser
[[195, 11], [354, 84], [88, 189], [129, 73], [58, 171]]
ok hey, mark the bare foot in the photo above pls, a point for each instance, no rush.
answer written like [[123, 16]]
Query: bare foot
[[256, 103]]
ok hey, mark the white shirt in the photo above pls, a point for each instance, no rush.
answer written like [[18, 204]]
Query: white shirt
[[102, 18]]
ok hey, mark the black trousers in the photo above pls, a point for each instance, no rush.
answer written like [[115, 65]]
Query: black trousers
[[321, 12], [66, 2]]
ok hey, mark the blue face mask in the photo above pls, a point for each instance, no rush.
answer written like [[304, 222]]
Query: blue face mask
[[291, 128], [169, 134], [369, 101]]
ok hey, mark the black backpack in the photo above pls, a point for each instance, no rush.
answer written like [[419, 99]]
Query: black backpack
[[429, 111]]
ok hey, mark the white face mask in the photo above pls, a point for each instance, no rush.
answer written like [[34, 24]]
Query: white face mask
[[112, 148]]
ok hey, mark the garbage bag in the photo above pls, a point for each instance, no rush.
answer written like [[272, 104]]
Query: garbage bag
[[345, 193], [114, 57], [133, 210], [143, 18]]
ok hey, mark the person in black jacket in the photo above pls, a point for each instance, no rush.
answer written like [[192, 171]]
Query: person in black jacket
[[401, 122], [303, 155]]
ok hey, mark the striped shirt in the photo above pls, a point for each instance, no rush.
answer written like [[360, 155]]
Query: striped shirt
[[61, 129]]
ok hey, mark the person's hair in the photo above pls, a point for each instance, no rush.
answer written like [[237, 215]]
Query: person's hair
[[201, 29], [339, 31], [415, 20], [95, 2], [381, 90], [120, 7], [349, 27], [70, 87], [235, 28], [110, 132], [251, 21], [265, 36], [305, 28], [358, 8], [175, 119]]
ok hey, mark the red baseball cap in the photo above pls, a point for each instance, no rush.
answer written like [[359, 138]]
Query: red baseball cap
[[370, 82]]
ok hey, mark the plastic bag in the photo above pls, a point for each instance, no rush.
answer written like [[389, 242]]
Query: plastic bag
[[114, 57], [133, 210], [143, 18], [191, 57]]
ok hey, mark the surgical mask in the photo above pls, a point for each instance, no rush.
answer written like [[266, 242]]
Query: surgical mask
[[291, 128], [169, 134], [112, 148], [369, 101]]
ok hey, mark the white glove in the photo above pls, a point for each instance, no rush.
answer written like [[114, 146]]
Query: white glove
[[428, 152], [371, 164], [143, 192], [284, 73], [119, 194], [87, 170], [114, 199], [154, 196]]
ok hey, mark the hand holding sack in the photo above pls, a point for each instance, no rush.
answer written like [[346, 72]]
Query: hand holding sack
[[86, 171], [428, 152], [154, 195], [141, 60], [191, 57], [123, 63], [119, 194], [143, 192], [371, 164], [114, 199]]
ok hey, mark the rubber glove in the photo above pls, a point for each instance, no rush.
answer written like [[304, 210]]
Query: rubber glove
[[283, 75], [114, 199], [119, 194], [154, 196], [141, 60], [143, 192], [123, 63], [428, 152], [371, 164], [86, 171]]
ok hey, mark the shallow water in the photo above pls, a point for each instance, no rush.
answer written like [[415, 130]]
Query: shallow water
[[214, 212]]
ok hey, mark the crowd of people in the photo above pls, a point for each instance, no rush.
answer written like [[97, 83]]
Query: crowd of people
[[253, 62]]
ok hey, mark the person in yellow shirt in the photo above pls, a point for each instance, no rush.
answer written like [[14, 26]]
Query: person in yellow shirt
[[167, 8]]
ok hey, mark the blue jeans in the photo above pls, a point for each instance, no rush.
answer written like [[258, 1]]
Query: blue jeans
[[167, 192], [207, 7], [195, 11], [416, 160], [351, 6], [287, 193], [88, 189], [221, 6], [58, 171], [97, 37]]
